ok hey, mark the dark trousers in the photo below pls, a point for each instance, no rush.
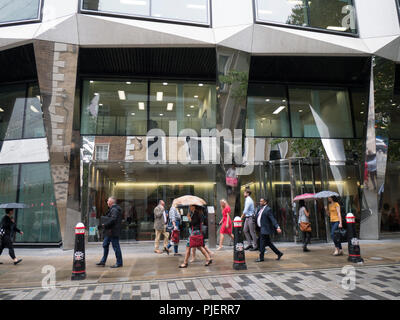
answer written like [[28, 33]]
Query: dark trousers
[[265, 240], [176, 244], [306, 238], [117, 249], [334, 226], [9, 245]]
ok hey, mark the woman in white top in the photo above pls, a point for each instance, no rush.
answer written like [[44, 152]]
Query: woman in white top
[[304, 217]]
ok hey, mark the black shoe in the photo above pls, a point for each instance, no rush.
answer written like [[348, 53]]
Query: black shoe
[[253, 249], [248, 247], [1, 262], [18, 261], [259, 260], [305, 249], [101, 264], [279, 256], [116, 266]]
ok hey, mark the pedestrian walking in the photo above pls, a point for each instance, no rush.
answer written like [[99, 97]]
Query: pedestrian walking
[[195, 222], [112, 232], [226, 223], [267, 224], [335, 218], [304, 224], [160, 224], [204, 228], [249, 229], [174, 220], [8, 228]]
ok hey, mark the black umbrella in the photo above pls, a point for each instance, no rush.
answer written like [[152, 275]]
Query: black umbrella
[[13, 206]]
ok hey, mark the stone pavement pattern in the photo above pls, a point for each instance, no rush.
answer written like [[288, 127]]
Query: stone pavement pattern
[[372, 283]]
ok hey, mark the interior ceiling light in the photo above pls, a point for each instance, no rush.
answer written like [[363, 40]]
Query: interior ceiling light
[[34, 109], [267, 100], [170, 106], [165, 83], [96, 94], [200, 84], [128, 82], [188, 115], [300, 110], [121, 95], [278, 110], [1, 110], [284, 100], [159, 96], [132, 113], [196, 96], [91, 81], [161, 114], [141, 105], [191, 107]]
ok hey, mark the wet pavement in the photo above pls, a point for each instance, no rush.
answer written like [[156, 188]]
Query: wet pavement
[[142, 264]]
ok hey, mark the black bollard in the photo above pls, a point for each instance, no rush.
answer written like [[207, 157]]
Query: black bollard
[[79, 265], [239, 260], [354, 247]]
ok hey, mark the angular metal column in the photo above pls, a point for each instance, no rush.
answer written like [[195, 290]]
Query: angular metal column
[[57, 69]]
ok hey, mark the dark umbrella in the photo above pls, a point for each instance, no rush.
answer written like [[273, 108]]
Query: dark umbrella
[[13, 206]]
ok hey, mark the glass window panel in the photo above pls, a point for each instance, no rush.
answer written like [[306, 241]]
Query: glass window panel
[[12, 104], [34, 127], [333, 15], [267, 111], [20, 10], [128, 7], [320, 113], [193, 106], [185, 10], [180, 10], [40, 221], [114, 108], [360, 108], [8, 183]]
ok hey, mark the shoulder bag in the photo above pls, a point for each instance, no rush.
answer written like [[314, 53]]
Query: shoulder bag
[[305, 226], [196, 240]]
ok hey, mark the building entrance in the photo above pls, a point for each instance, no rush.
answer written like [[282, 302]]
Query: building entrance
[[281, 180], [138, 187]]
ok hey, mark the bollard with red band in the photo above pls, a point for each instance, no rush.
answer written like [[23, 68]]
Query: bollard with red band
[[79, 265], [239, 260], [354, 247]]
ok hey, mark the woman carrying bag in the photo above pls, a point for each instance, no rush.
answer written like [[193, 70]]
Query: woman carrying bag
[[304, 224], [196, 238], [226, 223]]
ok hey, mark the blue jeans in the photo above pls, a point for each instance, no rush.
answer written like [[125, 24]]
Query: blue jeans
[[175, 245], [117, 249], [334, 226]]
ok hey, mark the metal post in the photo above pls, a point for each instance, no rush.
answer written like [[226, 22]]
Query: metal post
[[239, 260], [79, 265], [354, 247]]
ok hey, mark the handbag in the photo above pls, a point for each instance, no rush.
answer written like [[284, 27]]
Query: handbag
[[196, 240], [232, 182], [175, 236], [305, 226], [340, 235]]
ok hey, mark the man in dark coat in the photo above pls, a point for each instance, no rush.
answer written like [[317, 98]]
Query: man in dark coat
[[266, 221], [8, 228], [112, 231]]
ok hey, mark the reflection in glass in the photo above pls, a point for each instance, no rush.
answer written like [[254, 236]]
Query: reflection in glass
[[12, 104], [8, 183], [20, 10], [334, 15], [267, 110], [34, 127], [40, 221], [114, 108], [196, 11], [320, 113]]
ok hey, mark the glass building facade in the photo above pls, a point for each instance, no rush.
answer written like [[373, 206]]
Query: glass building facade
[[313, 108]]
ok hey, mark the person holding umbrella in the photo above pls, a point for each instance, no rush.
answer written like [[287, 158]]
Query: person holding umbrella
[[9, 228]]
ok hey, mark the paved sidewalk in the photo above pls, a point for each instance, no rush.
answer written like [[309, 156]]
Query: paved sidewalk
[[371, 283], [141, 264]]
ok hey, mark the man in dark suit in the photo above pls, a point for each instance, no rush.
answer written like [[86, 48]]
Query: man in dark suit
[[112, 231], [266, 222]]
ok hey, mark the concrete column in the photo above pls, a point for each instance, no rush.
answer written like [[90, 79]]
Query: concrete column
[[56, 65]]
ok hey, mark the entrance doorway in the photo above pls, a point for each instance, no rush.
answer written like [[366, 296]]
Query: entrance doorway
[[138, 187], [281, 180]]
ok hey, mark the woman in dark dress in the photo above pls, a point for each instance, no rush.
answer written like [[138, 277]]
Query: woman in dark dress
[[9, 227], [195, 223]]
